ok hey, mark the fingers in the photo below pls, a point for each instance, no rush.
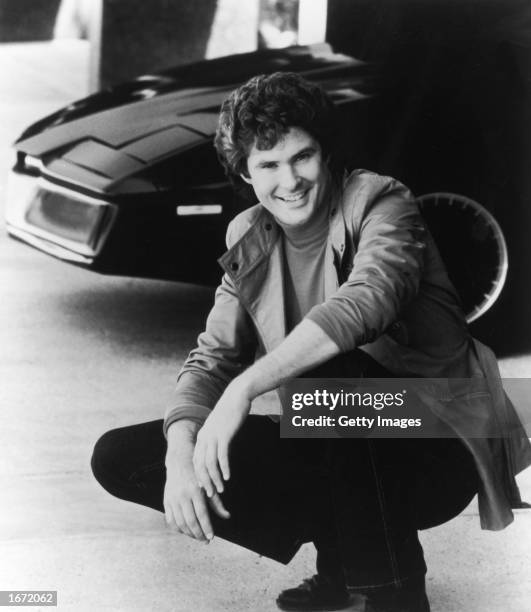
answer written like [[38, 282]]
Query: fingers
[[168, 514], [187, 513], [192, 519], [192, 524], [173, 519], [201, 512], [180, 522], [200, 469], [206, 464], [212, 466], [223, 460], [218, 507]]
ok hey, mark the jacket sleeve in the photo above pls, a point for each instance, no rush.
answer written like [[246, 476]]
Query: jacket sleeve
[[226, 346], [387, 234]]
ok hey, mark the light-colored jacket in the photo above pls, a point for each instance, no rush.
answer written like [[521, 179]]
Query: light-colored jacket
[[383, 267]]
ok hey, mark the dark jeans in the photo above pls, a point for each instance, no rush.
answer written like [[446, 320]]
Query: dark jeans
[[360, 501]]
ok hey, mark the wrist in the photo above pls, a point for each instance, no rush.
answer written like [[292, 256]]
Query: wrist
[[182, 433], [243, 385], [179, 457]]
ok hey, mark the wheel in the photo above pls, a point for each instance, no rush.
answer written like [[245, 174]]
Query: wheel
[[472, 246]]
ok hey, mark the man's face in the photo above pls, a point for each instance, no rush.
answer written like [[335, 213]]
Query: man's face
[[290, 179]]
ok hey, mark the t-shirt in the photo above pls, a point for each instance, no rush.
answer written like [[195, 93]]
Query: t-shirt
[[303, 272]]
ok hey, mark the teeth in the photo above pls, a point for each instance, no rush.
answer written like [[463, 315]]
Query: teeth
[[294, 197]]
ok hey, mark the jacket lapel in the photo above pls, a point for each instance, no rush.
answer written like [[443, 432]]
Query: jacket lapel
[[255, 266], [335, 249], [268, 288]]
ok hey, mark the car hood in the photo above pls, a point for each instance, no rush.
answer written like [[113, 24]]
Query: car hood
[[99, 141]]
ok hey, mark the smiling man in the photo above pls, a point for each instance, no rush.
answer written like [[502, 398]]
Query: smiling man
[[329, 275], [290, 180]]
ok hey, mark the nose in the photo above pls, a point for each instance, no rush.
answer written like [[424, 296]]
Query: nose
[[289, 178]]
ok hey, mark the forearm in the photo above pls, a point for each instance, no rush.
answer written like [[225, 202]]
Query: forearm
[[304, 348], [181, 438]]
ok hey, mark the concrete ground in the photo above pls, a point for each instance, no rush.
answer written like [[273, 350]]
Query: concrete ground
[[82, 353]]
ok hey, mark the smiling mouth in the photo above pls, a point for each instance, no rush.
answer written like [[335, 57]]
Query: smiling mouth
[[294, 197]]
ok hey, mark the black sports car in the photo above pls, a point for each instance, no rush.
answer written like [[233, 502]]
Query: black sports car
[[126, 181]]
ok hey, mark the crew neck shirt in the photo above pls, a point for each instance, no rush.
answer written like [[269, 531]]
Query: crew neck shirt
[[304, 255]]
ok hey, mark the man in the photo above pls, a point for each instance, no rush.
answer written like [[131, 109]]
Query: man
[[324, 264]]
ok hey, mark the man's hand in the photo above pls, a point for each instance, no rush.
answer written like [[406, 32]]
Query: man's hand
[[185, 503], [211, 454]]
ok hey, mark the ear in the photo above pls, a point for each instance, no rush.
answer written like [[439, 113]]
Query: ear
[[247, 179]]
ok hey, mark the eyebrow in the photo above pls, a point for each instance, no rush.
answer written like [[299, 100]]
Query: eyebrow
[[307, 149]]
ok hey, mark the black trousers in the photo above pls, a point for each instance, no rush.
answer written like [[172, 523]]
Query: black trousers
[[360, 501]]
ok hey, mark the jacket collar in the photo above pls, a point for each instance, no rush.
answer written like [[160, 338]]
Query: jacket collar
[[252, 248]]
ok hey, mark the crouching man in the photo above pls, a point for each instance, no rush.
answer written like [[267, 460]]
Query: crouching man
[[333, 275]]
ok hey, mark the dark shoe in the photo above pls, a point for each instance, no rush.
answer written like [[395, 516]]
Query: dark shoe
[[315, 593], [398, 600]]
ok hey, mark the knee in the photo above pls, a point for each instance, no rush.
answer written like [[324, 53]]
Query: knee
[[105, 456]]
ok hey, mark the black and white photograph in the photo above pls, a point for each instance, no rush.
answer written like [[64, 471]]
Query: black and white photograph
[[266, 295]]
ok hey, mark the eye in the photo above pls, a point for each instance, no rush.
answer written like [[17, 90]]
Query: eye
[[304, 156], [268, 165]]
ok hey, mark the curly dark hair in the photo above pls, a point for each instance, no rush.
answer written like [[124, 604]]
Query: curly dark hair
[[263, 110]]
